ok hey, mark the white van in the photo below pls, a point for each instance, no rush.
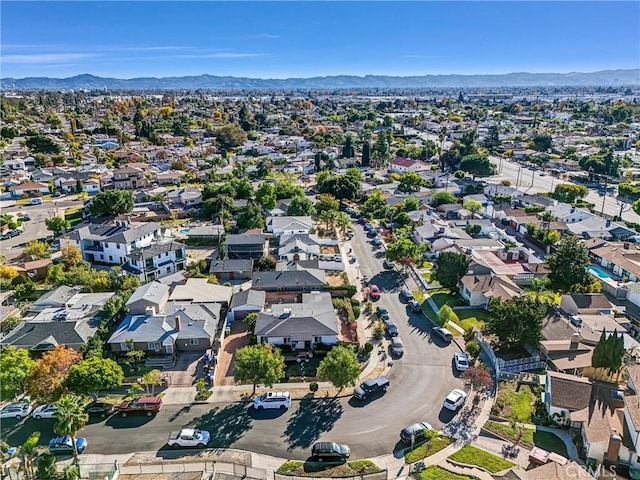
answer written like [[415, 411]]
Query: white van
[[281, 400], [36, 201]]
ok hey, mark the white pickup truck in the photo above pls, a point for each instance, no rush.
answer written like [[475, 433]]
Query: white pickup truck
[[189, 437]]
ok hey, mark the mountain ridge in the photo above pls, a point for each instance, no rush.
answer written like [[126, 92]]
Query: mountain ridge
[[606, 78]]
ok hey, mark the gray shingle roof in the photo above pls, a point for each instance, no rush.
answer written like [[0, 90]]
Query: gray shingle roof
[[151, 292], [113, 233], [248, 297], [245, 239], [154, 250], [231, 265], [72, 333], [289, 278]]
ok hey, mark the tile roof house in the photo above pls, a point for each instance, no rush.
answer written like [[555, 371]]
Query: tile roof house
[[478, 290], [299, 325], [404, 165]]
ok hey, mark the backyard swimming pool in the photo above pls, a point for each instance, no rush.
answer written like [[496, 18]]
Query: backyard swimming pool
[[599, 272], [184, 231]]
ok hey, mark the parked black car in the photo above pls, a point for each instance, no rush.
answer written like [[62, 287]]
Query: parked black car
[[382, 313], [99, 409], [330, 451], [371, 387], [391, 328], [415, 306]]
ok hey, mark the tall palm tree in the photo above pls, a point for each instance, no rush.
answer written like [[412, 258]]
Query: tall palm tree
[[329, 218], [28, 453], [71, 418], [343, 221]]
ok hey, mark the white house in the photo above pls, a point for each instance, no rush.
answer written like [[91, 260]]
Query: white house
[[157, 260], [404, 165], [289, 225], [569, 214], [91, 186]]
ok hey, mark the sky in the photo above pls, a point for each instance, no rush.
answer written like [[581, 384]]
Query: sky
[[286, 39]]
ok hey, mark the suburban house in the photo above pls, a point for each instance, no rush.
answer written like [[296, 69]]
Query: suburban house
[[245, 302], [404, 165], [58, 297], [199, 290], [231, 269], [298, 247], [113, 243], [152, 296], [31, 189], [564, 394], [289, 225], [157, 260], [299, 280], [185, 197], [585, 304], [621, 259], [71, 324], [246, 246], [129, 178], [569, 214], [206, 234], [478, 290], [35, 269], [299, 325]]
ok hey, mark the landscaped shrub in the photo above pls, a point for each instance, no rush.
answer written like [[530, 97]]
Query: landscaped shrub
[[202, 392], [313, 387], [368, 347], [473, 348]]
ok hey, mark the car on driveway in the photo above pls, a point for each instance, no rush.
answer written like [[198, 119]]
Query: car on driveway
[[442, 334], [374, 292], [376, 242], [415, 306], [331, 451], [461, 361], [388, 264], [99, 409], [44, 411], [454, 400], [64, 445], [406, 295], [417, 430], [396, 347], [17, 410], [391, 328], [371, 387], [382, 313]]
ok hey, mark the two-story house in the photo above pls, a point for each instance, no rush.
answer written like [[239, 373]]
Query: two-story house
[[157, 260], [129, 178], [112, 244]]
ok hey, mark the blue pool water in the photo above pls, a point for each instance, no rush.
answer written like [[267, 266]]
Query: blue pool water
[[598, 272], [184, 231]]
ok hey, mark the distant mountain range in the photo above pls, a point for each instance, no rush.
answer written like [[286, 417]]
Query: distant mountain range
[[210, 82]]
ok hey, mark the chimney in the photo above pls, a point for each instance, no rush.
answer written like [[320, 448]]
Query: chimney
[[626, 245], [178, 322], [575, 340], [613, 449], [150, 311]]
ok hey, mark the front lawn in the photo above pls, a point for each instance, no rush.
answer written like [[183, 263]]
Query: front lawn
[[442, 296], [472, 317], [294, 369], [318, 469], [437, 473], [530, 438], [427, 448], [520, 403], [418, 295], [474, 456]]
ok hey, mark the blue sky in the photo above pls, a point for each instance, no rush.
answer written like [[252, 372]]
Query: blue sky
[[302, 39]]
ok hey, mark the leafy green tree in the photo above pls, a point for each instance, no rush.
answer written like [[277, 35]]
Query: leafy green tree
[[477, 165], [300, 206], [410, 182], [366, 154], [28, 452], [46, 469], [259, 364], [94, 374], [375, 204], [446, 314], [403, 247], [411, 204], [568, 266], [15, 368], [492, 139], [473, 229], [151, 380], [443, 197], [517, 320], [111, 203], [265, 196], [251, 217], [250, 320], [37, 249], [450, 269], [71, 418], [286, 189], [473, 206], [230, 136], [343, 222], [347, 150], [326, 201], [340, 367], [542, 142], [42, 144], [569, 192], [340, 186]]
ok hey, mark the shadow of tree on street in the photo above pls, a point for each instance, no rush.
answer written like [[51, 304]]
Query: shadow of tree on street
[[312, 418], [226, 425]]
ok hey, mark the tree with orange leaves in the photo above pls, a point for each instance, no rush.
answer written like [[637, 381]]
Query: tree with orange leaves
[[50, 372]]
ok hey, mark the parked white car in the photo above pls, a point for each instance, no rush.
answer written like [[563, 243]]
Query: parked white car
[[16, 410], [454, 400], [281, 400], [461, 361], [44, 411]]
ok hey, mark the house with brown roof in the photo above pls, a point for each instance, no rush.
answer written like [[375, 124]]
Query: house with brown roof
[[129, 178], [568, 356], [478, 290], [564, 394], [35, 270], [622, 259], [404, 165], [32, 189]]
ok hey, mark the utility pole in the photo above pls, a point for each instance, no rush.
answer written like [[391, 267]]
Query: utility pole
[[604, 196]]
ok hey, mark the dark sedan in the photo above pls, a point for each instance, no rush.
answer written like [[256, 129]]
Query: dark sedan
[[99, 409]]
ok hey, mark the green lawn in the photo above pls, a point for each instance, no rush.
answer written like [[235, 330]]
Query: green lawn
[[545, 440], [293, 369], [437, 473], [475, 456], [418, 295], [472, 317], [427, 448], [317, 469], [73, 216], [442, 297], [520, 403]]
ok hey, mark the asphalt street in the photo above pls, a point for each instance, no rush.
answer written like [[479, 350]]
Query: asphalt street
[[419, 382]]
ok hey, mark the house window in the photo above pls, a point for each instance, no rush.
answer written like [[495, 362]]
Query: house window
[[317, 339], [287, 340], [155, 346], [110, 258], [124, 347], [118, 246], [194, 341]]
